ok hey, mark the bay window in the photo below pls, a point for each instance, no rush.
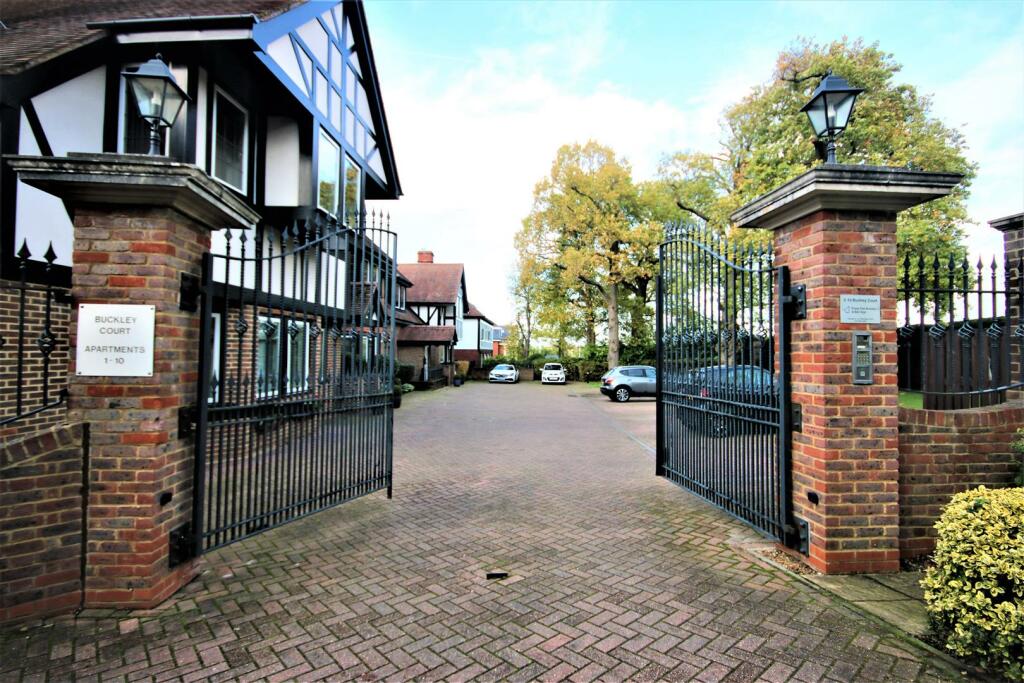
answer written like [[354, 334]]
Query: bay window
[[231, 141]]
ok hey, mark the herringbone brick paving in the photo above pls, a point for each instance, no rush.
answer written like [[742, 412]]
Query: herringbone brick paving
[[614, 575]]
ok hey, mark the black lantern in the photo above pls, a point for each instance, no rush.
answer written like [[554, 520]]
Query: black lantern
[[829, 110], [158, 97]]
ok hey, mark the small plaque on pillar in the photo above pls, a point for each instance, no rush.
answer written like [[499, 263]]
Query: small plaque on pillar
[[860, 308], [115, 340]]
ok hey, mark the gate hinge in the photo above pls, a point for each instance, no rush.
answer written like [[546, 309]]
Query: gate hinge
[[182, 545], [188, 293], [796, 417], [187, 417], [796, 301]]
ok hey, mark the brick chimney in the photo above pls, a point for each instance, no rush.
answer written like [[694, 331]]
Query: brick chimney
[[424, 257]]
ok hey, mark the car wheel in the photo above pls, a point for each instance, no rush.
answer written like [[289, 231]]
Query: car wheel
[[622, 394]]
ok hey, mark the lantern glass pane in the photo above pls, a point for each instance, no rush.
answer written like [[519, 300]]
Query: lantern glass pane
[[173, 99], [149, 95], [843, 108], [816, 113]]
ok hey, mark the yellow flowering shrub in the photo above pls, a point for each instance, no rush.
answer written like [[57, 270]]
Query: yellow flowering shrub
[[975, 590]]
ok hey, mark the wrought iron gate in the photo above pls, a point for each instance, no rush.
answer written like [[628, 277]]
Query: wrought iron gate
[[723, 382], [295, 394]]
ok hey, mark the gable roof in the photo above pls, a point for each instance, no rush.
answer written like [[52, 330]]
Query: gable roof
[[475, 312], [427, 333], [403, 316], [433, 283], [39, 30]]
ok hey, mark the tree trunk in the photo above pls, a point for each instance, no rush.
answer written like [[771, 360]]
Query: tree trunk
[[612, 301], [591, 330]]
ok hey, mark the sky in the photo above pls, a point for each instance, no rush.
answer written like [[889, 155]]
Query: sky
[[480, 95]]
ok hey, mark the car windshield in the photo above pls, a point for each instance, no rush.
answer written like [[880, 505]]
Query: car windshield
[[502, 367], [552, 366]]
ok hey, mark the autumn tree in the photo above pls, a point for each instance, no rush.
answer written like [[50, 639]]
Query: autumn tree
[[526, 289], [768, 141], [588, 231]]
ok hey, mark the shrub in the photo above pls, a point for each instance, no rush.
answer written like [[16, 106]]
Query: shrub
[[461, 368], [405, 372], [975, 590], [406, 388]]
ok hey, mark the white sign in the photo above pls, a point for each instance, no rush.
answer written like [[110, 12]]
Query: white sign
[[860, 308], [115, 340]]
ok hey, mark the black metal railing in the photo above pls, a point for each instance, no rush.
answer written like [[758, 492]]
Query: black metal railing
[[34, 322], [435, 374], [961, 331], [295, 409]]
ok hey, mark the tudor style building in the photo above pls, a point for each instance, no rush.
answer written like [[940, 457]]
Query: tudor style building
[[475, 344], [284, 106], [436, 322]]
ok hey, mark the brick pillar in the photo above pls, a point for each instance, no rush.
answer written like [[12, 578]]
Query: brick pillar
[[835, 229], [140, 223], [1012, 228]]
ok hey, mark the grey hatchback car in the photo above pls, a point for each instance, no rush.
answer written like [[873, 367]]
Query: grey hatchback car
[[626, 381]]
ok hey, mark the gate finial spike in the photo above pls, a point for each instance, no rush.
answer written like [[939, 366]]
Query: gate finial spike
[[24, 253], [50, 254]]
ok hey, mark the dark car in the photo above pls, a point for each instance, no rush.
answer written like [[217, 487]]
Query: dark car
[[730, 399]]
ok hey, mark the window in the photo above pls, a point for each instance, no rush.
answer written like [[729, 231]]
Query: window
[[328, 169], [268, 356], [353, 187], [400, 302], [231, 141], [297, 378]]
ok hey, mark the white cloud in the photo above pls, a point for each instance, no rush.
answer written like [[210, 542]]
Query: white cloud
[[471, 148], [987, 103]]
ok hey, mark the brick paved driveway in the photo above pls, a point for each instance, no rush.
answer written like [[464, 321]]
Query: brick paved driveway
[[615, 575]]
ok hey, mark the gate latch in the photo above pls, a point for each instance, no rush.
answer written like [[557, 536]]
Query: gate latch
[[187, 417], [188, 293], [182, 545], [797, 301], [796, 417]]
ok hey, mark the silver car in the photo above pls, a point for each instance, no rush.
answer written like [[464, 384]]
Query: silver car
[[504, 373], [626, 381]]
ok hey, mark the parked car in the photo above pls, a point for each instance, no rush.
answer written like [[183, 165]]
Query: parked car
[[553, 373], [504, 373], [732, 398], [624, 382]]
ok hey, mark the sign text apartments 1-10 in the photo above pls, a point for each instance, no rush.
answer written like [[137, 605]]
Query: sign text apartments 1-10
[[115, 340]]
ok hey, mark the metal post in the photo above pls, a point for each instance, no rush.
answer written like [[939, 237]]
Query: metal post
[[785, 436], [202, 404], [659, 452]]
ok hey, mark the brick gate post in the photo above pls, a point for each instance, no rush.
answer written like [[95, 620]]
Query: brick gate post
[[1012, 228], [140, 222], [835, 228]]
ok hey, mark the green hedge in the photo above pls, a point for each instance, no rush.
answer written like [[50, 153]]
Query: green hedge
[[975, 590], [405, 373]]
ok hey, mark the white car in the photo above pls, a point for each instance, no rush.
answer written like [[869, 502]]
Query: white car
[[504, 373], [553, 373]]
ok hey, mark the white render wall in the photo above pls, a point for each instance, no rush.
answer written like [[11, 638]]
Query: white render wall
[[468, 341], [71, 116]]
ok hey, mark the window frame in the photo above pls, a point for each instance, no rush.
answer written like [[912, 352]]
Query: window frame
[[338, 186], [212, 135], [348, 211], [265, 392]]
